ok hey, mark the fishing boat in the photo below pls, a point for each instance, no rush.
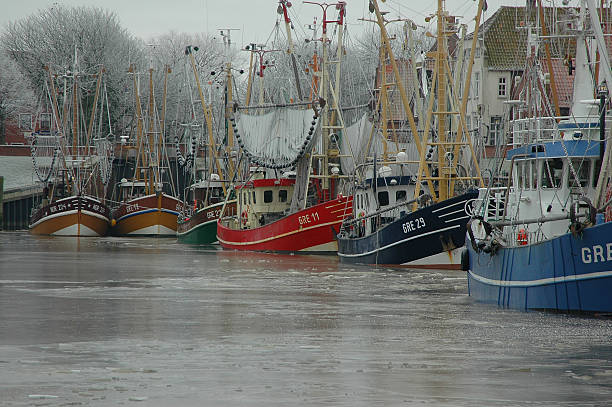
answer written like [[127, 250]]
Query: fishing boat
[[290, 199], [72, 162], [394, 221], [543, 241], [205, 196], [147, 201]]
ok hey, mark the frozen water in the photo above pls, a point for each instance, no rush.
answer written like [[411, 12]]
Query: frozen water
[[118, 321]]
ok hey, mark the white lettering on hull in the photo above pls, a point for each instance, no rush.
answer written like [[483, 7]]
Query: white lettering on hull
[[597, 254]]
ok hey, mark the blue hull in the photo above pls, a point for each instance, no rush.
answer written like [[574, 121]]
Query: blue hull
[[416, 235], [566, 273]]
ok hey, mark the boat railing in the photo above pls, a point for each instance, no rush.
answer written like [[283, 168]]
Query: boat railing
[[547, 128], [390, 214], [518, 236], [491, 206]]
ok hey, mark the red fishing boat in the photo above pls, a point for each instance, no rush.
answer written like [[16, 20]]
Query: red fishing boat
[[302, 209], [261, 225]]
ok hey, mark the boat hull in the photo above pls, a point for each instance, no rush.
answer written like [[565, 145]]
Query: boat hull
[[72, 216], [201, 228], [309, 230], [425, 238], [152, 215], [566, 273]]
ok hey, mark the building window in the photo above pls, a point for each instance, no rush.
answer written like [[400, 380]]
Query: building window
[[268, 196], [495, 131], [25, 122], [501, 87], [45, 122], [476, 85]]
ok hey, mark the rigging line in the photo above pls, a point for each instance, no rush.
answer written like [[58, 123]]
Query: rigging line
[[400, 5]]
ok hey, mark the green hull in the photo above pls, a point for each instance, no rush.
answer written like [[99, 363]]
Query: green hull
[[203, 233]]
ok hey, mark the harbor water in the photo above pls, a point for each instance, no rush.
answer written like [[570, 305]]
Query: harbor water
[[150, 322]]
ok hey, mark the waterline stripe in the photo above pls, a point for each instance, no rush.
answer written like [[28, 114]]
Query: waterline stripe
[[539, 282], [251, 242], [396, 243]]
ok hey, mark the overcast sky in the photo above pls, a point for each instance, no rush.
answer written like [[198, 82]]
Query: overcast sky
[[254, 19]]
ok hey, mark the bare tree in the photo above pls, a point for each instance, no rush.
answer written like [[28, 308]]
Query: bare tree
[[53, 36], [15, 94]]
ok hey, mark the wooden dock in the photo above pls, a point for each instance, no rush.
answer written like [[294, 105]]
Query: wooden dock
[[16, 205]]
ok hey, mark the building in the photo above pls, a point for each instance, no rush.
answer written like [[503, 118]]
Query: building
[[500, 58]]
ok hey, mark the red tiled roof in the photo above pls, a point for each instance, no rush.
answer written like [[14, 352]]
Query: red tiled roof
[[563, 80]]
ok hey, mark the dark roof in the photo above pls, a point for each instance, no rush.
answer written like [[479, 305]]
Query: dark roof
[[505, 35]]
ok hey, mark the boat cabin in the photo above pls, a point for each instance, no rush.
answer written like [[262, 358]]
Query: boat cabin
[[547, 178], [129, 190], [263, 200], [386, 199], [206, 192]]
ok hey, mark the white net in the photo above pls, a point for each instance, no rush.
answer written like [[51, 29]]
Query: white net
[[278, 138], [45, 150]]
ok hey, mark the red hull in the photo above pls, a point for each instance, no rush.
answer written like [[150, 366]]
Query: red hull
[[307, 230]]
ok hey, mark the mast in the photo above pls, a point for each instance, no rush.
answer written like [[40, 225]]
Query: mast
[[139, 136], [229, 144], [207, 115], [553, 85], [448, 146], [283, 6], [404, 96], [327, 88], [250, 48], [150, 171]]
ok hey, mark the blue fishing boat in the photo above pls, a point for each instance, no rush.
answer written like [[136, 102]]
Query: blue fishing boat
[[411, 206], [544, 241]]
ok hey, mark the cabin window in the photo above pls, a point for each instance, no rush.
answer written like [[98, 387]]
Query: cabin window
[[520, 174], [282, 195], [383, 198], [268, 197], [552, 173], [535, 174], [583, 169], [400, 196], [254, 200], [596, 171]]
